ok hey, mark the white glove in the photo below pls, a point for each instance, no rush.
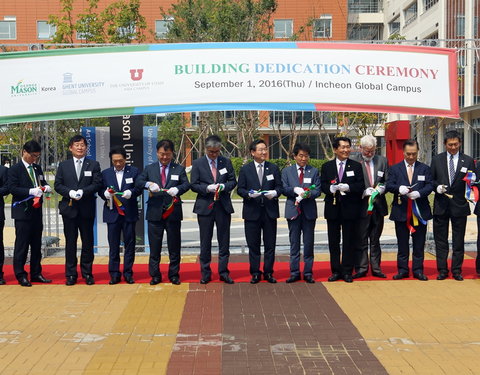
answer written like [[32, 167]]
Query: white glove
[[72, 194], [211, 188], [47, 188], [368, 192], [441, 189], [333, 189], [153, 187], [343, 187], [271, 194], [474, 177], [254, 195], [299, 199], [79, 194], [403, 190], [106, 194], [127, 194], [413, 195], [298, 190], [381, 189], [173, 191], [36, 192]]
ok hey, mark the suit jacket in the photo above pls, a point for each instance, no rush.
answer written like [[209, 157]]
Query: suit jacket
[[177, 177], [346, 206], [422, 179], [380, 166], [308, 206], [19, 184], [458, 205], [248, 180], [90, 182], [3, 190], [476, 210], [201, 177], [109, 178]]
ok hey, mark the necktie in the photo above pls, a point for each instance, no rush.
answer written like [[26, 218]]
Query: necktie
[[410, 173], [214, 171], [164, 176], [300, 177], [260, 173], [451, 169], [340, 172], [78, 168], [32, 175], [369, 173]]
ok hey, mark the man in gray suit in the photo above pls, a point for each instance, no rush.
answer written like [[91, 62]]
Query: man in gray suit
[[375, 171], [301, 185]]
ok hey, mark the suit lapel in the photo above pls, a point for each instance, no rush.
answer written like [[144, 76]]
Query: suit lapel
[[460, 164], [170, 172], [85, 165]]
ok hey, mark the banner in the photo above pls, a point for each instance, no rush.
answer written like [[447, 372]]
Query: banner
[[149, 157], [304, 76]]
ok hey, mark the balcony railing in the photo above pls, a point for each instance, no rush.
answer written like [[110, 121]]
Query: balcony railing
[[355, 6]]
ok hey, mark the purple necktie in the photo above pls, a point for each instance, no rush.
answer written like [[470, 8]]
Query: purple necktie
[[340, 172]]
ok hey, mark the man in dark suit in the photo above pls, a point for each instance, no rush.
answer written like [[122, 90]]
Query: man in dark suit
[[3, 192], [260, 185], [77, 181], [476, 211], [301, 185], [448, 170], [166, 181], [120, 212], [370, 225], [27, 184], [213, 179], [343, 184], [411, 183]]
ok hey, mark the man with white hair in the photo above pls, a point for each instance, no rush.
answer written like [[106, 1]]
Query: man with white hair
[[374, 208]]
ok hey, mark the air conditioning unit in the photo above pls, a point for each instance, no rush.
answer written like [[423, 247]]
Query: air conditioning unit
[[35, 47]]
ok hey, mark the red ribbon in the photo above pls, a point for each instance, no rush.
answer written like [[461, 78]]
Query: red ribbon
[[170, 208], [409, 216], [116, 202]]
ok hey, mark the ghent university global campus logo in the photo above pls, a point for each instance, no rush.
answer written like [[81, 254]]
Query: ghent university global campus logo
[[136, 74], [23, 89]]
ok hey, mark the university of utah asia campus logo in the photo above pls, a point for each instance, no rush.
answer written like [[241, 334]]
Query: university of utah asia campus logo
[[136, 74]]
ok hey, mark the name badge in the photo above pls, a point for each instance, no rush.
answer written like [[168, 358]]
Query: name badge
[[463, 169], [421, 178], [350, 173], [129, 180], [88, 173], [380, 173], [307, 180], [40, 177], [269, 177], [174, 177], [223, 171]]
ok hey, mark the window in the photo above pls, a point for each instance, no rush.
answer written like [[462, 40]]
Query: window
[[8, 28], [410, 14], [364, 6], [45, 31], [427, 4], [161, 28], [394, 26], [283, 28], [322, 27], [364, 32], [461, 25], [127, 32]]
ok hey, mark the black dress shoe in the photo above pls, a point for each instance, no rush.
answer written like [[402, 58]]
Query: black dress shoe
[[309, 279], [335, 277], [71, 280], [400, 276], [23, 281], [379, 274], [155, 280], [2, 281], [205, 280], [227, 279], [129, 280], [40, 279], [442, 276], [255, 279], [458, 277], [89, 280], [359, 275], [114, 280], [269, 278], [348, 278], [420, 276], [175, 281], [292, 279]]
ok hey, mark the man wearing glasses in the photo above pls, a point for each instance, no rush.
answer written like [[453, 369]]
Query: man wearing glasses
[[27, 184], [213, 179]]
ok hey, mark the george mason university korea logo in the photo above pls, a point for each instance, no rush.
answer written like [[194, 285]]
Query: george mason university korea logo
[[136, 74]]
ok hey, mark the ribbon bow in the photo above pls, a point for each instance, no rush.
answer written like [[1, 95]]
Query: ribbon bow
[[471, 190], [117, 203], [305, 194], [216, 196]]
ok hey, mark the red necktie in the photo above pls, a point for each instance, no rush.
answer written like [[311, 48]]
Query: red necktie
[[214, 171], [164, 176], [300, 177]]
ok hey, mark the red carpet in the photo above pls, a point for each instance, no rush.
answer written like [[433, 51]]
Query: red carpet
[[190, 272]]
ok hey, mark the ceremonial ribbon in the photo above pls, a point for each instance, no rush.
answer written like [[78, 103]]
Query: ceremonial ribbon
[[168, 211], [305, 194], [117, 203], [36, 200], [470, 187], [371, 200], [216, 197], [413, 214], [257, 191]]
